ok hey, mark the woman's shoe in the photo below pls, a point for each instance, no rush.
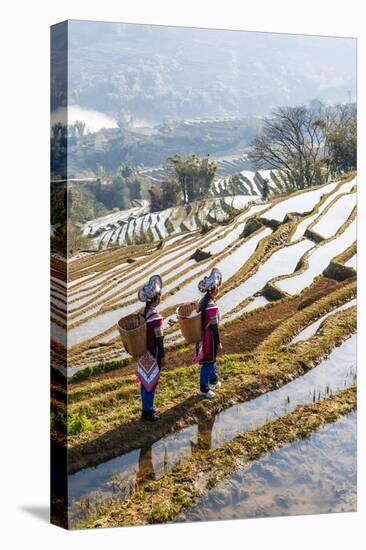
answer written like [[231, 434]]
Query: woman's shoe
[[216, 385], [207, 394], [149, 417]]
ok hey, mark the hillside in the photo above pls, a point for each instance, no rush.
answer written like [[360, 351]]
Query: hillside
[[151, 146], [278, 256], [138, 225], [288, 370]]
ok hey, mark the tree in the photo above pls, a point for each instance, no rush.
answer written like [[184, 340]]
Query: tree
[[165, 196], [340, 126], [82, 204], [119, 193], [59, 150], [101, 173], [170, 191], [68, 239], [133, 180], [80, 128], [124, 120], [59, 131], [265, 190], [125, 170], [76, 241], [134, 187], [194, 175], [58, 202], [291, 140], [156, 199], [113, 192]]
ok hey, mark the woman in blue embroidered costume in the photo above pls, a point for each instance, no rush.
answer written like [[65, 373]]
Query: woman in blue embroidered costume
[[210, 344], [149, 365]]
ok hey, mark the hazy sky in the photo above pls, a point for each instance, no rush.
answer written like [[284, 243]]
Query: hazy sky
[[158, 72]]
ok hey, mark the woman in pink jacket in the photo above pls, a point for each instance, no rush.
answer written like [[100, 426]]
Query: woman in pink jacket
[[149, 369], [210, 345]]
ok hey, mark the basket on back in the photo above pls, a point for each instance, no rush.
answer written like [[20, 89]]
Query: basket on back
[[132, 330], [190, 321]]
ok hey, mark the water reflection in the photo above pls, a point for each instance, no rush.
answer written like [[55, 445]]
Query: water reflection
[[204, 435], [312, 476], [145, 470], [310, 330], [116, 477]]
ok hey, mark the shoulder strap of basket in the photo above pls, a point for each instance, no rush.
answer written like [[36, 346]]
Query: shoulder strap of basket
[[148, 316], [206, 327]]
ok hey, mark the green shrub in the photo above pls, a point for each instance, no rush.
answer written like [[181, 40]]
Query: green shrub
[[78, 422], [58, 422], [84, 374]]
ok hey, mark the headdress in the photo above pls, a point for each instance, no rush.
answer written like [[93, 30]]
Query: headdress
[[151, 289], [213, 281]]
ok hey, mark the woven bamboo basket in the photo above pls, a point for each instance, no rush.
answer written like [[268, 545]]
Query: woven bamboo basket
[[132, 330], [190, 325]]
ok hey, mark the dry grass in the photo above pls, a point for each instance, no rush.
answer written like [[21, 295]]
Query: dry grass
[[113, 407]]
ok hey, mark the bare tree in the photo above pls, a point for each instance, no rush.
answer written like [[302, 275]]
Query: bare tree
[[291, 140]]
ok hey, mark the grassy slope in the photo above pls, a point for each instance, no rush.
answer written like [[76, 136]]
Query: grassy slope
[[113, 400], [113, 405]]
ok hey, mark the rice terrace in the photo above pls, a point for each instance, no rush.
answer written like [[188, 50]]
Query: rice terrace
[[279, 436]]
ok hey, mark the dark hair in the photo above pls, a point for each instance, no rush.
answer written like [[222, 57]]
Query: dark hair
[[203, 305], [150, 303]]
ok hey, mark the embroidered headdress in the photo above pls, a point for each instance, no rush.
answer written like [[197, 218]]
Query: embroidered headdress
[[213, 281], [151, 289]]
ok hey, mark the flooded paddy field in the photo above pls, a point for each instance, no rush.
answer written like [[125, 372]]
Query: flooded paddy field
[[117, 477], [301, 203], [184, 494], [303, 225], [318, 259], [313, 476], [313, 327], [335, 216], [352, 262]]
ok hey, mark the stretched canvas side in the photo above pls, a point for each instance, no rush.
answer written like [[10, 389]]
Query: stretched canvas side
[[58, 265]]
